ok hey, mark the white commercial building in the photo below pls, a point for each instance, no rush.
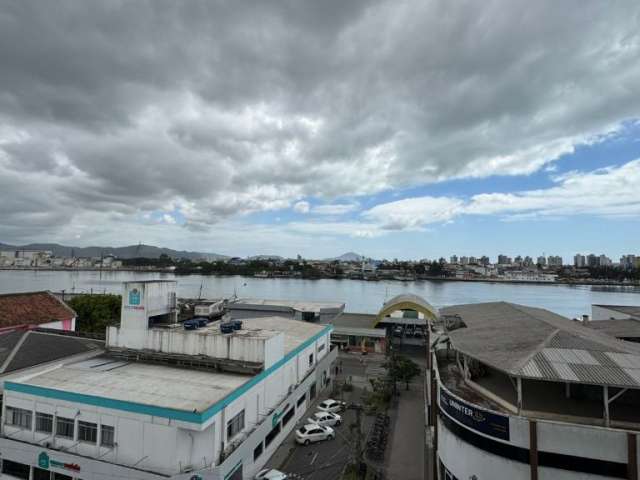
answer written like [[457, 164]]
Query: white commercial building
[[165, 402], [519, 392]]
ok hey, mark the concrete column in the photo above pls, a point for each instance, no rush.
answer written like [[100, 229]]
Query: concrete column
[[519, 391], [605, 397], [533, 449], [632, 456]]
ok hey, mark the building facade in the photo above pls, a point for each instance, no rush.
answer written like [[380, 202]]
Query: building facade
[[165, 402]]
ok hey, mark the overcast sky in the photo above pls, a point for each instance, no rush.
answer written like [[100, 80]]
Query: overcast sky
[[392, 128]]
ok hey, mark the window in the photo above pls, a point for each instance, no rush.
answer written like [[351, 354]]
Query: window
[[311, 359], [235, 425], [44, 422], [61, 476], [257, 452], [271, 435], [15, 469], [312, 392], [301, 399], [321, 347], [64, 427], [40, 474], [87, 432], [107, 435], [288, 416], [18, 417]]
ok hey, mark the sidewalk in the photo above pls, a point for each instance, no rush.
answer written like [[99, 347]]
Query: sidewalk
[[405, 458]]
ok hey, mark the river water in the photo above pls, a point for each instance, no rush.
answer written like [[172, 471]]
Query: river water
[[359, 296]]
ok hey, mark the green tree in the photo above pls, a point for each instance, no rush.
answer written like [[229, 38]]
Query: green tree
[[403, 369], [96, 312]]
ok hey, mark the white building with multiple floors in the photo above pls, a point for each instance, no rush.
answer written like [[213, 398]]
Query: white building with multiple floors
[[165, 402]]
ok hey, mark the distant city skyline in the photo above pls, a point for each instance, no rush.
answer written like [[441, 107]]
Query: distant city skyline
[[303, 139]]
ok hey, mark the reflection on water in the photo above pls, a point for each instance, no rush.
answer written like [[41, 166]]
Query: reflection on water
[[359, 296]]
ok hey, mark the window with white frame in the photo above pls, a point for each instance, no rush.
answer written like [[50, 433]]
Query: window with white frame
[[18, 417], [107, 436], [44, 422], [65, 427], [87, 432], [235, 425]]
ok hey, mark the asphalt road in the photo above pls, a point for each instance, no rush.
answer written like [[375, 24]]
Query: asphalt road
[[327, 459]]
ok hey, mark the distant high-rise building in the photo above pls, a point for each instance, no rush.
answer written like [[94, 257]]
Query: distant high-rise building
[[504, 260], [604, 261], [484, 260], [528, 261], [592, 260], [453, 259], [542, 261], [473, 260], [464, 260], [579, 261], [554, 261], [629, 261], [518, 260]]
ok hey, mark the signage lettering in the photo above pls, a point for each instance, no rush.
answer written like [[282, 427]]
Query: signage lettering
[[45, 462], [276, 416], [134, 296], [483, 421]]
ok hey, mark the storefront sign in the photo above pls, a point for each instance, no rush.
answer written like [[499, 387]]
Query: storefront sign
[[276, 416], [134, 296], [45, 462], [481, 420]]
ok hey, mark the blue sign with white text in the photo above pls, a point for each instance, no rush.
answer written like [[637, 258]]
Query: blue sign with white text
[[479, 419]]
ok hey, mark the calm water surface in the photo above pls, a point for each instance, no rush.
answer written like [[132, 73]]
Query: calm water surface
[[359, 296]]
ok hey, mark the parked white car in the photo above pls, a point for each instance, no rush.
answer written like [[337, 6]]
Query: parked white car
[[333, 406], [270, 474], [325, 419], [314, 433]]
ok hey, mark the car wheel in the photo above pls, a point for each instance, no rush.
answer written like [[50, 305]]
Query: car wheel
[[307, 442], [332, 436]]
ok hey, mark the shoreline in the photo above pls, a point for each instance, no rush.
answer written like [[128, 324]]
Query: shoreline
[[417, 279]]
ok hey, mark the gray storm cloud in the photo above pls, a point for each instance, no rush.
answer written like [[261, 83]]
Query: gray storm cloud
[[216, 109]]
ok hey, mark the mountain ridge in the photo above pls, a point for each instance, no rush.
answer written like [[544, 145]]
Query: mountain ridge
[[125, 252]]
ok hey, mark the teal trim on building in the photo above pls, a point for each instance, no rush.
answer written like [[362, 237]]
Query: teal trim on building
[[174, 414], [233, 470]]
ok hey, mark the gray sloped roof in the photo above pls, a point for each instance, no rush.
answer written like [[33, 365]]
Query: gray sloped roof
[[631, 310], [538, 344], [38, 348], [624, 328]]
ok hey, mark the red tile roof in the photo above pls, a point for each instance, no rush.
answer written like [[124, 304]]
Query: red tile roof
[[33, 308]]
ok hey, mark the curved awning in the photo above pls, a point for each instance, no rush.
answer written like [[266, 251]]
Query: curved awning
[[407, 301]]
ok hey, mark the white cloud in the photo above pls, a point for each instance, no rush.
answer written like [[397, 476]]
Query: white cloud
[[301, 207], [168, 219], [414, 213], [610, 192], [335, 209]]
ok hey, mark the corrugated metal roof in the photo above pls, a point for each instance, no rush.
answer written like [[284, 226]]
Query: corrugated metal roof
[[535, 343]]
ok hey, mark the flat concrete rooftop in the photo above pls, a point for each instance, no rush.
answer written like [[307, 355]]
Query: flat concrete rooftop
[[295, 332], [156, 385], [293, 304]]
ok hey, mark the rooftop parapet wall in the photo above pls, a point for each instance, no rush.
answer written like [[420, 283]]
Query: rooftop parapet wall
[[265, 347]]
